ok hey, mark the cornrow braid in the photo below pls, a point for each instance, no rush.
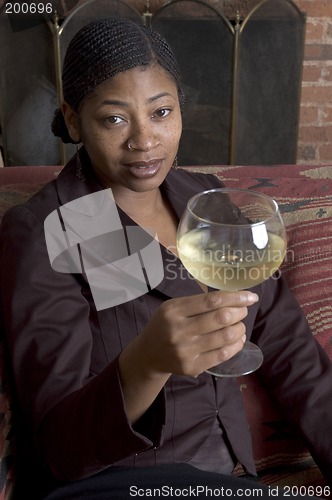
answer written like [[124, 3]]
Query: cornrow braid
[[104, 48]]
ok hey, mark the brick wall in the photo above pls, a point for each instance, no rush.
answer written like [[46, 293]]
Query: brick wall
[[315, 132]]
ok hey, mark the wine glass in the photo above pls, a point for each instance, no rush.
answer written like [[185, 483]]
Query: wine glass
[[232, 239]]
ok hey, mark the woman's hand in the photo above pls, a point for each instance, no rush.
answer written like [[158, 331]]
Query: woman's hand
[[186, 336]]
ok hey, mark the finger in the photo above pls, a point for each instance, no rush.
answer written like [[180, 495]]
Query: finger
[[221, 338], [212, 321], [212, 358], [203, 302]]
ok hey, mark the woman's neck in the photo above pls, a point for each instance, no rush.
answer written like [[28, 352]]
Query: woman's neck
[[140, 206]]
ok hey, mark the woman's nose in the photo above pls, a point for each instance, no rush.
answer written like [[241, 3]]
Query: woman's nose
[[143, 137]]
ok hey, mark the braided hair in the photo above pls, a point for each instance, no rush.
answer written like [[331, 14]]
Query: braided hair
[[102, 49]]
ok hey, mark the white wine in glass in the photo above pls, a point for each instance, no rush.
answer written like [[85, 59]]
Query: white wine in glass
[[232, 239]]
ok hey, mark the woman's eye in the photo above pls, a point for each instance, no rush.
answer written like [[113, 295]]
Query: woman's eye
[[161, 113], [113, 120]]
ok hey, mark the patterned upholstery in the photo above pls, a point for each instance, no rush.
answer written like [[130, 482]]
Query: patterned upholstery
[[304, 195]]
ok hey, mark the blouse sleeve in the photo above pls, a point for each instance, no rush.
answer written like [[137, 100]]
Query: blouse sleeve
[[78, 419], [296, 369]]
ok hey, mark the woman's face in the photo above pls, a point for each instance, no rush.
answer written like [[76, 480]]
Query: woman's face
[[131, 126]]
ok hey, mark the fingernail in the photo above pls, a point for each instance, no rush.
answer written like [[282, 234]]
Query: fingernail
[[244, 338], [252, 297]]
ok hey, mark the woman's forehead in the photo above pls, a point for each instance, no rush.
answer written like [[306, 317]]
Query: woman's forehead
[[147, 80]]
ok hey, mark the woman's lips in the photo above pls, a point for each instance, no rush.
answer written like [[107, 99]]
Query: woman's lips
[[144, 169]]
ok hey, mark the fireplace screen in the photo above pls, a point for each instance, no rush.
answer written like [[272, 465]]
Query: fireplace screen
[[269, 85], [241, 71]]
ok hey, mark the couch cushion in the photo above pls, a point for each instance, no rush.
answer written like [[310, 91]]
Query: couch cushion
[[304, 195]]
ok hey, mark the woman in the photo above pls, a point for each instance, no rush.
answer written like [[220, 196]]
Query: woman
[[118, 396]]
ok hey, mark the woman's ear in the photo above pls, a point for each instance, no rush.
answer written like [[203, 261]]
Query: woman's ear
[[72, 122]]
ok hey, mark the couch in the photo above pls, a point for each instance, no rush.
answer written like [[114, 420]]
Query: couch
[[304, 194]]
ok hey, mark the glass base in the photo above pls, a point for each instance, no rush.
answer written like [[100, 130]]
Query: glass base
[[248, 360]]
